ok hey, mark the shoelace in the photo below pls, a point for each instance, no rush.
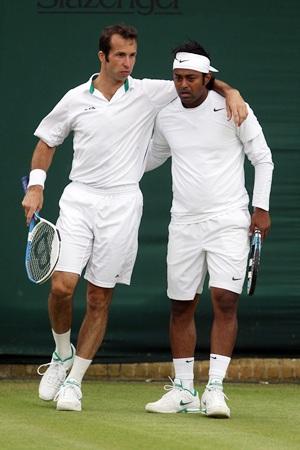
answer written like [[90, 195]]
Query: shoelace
[[56, 360], [52, 363], [68, 385], [216, 390], [173, 385]]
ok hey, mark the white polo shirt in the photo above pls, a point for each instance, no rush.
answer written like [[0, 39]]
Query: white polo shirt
[[110, 137], [208, 159]]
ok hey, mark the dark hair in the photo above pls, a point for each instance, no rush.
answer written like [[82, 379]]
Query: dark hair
[[194, 47], [126, 31], [191, 47]]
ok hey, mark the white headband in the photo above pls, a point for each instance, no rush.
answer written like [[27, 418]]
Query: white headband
[[184, 60]]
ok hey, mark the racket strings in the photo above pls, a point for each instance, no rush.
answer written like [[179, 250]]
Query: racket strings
[[39, 257]]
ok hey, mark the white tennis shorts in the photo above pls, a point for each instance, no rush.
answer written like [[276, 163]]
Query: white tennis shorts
[[99, 231], [218, 246]]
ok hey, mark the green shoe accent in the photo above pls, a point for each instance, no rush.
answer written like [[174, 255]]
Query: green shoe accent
[[215, 385], [193, 392], [72, 381], [57, 358]]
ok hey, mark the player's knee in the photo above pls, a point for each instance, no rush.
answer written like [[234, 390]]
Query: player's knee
[[98, 300], [63, 285], [183, 309], [61, 290], [225, 303]]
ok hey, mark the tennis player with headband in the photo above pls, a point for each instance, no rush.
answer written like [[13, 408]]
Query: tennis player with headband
[[112, 117], [210, 222]]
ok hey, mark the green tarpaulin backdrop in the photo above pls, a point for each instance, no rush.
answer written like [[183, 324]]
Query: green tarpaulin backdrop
[[49, 46]]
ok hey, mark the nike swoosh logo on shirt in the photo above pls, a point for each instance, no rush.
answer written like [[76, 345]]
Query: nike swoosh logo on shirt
[[218, 109]]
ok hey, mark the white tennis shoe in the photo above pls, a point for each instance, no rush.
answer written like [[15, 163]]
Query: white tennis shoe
[[177, 400], [69, 396], [213, 402], [55, 375]]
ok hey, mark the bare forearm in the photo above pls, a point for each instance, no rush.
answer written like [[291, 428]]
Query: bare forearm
[[222, 88], [34, 198], [42, 156]]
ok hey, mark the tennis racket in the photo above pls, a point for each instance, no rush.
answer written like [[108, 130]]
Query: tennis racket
[[254, 261], [43, 246]]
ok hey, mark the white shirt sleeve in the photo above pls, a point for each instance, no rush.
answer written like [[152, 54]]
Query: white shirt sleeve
[[250, 128], [259, 154], [159, 92], [56, 126], [158, 151]]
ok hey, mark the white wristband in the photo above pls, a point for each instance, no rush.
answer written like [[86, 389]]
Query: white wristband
[[37, 176]]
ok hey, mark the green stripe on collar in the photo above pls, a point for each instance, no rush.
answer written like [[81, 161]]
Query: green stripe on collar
[[126, 85]]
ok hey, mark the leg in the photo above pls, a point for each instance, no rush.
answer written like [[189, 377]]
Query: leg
[[186, 273], [60, 300], [227, 247], [182, 328], [183, 338], [182, 397], [60, 305], [223, 337], [60, 312], [224, 327], [89, 340], [93, 328]]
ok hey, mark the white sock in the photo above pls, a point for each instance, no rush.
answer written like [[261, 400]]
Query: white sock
[[218, 367], [184, 372], [80, 366], [63, 344]]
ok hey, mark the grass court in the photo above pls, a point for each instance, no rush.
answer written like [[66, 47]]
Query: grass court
[[264, 417]]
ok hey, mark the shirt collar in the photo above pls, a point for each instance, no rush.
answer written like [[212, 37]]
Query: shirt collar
[[128, 83]]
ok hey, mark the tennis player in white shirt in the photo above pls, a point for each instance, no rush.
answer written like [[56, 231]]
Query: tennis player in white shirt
[[111, 117], [210, 222]]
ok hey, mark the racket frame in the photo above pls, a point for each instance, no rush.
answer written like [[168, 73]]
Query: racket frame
[[36, 219], [254, 261]]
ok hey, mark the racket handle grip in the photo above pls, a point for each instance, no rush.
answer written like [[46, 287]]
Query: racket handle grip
[[25, 181]]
